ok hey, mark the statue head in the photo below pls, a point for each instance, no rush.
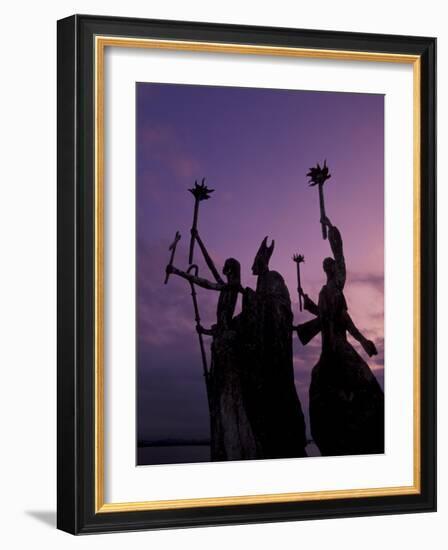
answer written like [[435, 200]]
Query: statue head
[[261, 262], [232, 270], [329, 266]]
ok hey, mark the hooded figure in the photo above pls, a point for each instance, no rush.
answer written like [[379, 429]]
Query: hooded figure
[[270, 395]]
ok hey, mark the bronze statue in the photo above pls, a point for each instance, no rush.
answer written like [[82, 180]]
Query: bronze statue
[[228, 290], [318, 176], [272, 402], [346, 401], [232, 437], [255, 411], [254, 408]]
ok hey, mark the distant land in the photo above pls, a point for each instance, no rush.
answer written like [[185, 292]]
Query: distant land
[[178, 442], [172, 442]]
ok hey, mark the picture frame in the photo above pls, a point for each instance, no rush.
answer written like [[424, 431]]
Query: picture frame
[[82, 41]]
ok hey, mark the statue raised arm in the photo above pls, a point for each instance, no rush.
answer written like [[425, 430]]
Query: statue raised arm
[[336, 265], [346, 401], [207, 257]]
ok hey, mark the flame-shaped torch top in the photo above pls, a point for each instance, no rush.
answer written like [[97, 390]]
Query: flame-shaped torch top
[[318, 175], [299, 258], [200, 191]]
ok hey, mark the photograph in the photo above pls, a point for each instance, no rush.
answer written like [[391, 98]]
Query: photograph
[[259, 273]]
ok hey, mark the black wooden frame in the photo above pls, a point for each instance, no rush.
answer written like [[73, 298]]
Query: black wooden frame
[[76, 395]]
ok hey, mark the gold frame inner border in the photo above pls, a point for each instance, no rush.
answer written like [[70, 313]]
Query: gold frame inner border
[[101, 42]]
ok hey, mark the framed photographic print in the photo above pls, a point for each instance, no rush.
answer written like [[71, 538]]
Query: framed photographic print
[[246, 274]]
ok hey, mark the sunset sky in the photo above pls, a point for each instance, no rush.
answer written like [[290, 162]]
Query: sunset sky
[[255, 147]]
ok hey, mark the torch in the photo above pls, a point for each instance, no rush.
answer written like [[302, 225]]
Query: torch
[[299, 258], [318, 176], [201, 193]]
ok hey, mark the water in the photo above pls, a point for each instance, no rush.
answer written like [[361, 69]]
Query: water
[[187, 454], [173, 454]]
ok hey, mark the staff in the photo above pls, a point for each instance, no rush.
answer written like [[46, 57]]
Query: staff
[[172, 247], [194, 268], [201, 193], [318, 176], [299, 258]]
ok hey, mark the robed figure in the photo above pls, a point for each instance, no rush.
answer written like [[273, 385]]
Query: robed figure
[[272, 403], [254, 408], [346, 402], [231, 433]]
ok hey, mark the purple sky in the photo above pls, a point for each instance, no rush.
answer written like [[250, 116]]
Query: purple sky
[[255, 147]]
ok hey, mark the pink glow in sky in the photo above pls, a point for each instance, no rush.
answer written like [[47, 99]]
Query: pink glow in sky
[[255, 147]]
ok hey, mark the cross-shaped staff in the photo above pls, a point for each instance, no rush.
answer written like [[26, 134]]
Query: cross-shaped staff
[[172, 247]]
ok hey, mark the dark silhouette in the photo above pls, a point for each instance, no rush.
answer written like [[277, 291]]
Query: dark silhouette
[[299, 259], [270, 395], [172, 248], [318, 176], [228, 290], [200, 193], [346, 401], [231, 436], [254, 408]]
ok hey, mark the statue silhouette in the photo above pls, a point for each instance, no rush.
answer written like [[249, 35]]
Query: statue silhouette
[[346, 401], [228, 290], [272, 403], [254, 408], [232, 437]]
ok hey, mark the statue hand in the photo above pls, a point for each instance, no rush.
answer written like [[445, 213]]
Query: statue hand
[[369, 348], [307, 303], [325, 220]]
